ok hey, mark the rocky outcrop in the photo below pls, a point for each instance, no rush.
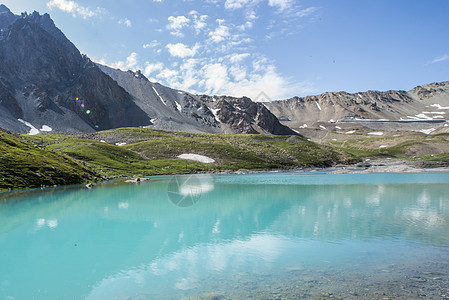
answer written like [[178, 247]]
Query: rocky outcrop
[[434, 93], [242, 115]]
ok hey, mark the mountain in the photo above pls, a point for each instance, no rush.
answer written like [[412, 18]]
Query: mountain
[[46, 85], [46, 82], [171, 109], [426, 103]]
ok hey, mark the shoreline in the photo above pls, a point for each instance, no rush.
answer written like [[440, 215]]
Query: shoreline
[[360, 168]]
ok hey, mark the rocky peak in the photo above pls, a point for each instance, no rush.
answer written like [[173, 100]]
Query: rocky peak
[[4, 10], [433, 90], [6, 18], [138, 74], [242, 115]]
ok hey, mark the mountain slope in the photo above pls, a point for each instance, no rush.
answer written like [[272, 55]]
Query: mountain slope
[[47, 85], [44, 80], [422, 104], [24, 165], [171, 109]]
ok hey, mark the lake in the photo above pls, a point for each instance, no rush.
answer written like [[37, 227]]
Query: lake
[[261, 236]]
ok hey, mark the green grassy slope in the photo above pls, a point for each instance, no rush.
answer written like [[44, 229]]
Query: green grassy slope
[[149, 152], [24, 165], [413, 146]]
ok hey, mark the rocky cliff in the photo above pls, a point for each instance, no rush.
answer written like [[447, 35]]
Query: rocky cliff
[[47, 84]]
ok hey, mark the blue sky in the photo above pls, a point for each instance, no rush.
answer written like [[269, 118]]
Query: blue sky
[[283, 48]]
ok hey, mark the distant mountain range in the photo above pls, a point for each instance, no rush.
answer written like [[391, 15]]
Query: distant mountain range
[[47, 85], [423, 103]]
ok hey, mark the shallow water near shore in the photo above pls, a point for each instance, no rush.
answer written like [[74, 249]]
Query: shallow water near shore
[[261, 236]]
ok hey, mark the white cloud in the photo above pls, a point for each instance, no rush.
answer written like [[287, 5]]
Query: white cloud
[[181, 50], [73, 8], [150, 68], [159, 1], [131, 61], [129, 64], [238, 73], [167, 74], [153, 44], [175, 24], [306, 12], [280, 4], [125, 22], [215, 78], [234, 4], [220, 33], [199, 21], [440, 59], [220, 79], [235, 58]]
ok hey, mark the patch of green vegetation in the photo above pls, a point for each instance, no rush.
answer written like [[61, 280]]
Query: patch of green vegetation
[[150, 151], [24, 165], [405, 146]]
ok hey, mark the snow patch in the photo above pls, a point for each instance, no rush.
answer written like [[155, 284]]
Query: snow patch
[[350, 132], [214, 112], [337, 127], [423, 116], [376, 133], [434, 112], [303, 126], [154, 89], [383, 146], [178, 106], [318, 105], [46, 128], [181, 93], [33, 130], [120, 144], [439, 106], [197, 157], [322, 127], [427, 131]]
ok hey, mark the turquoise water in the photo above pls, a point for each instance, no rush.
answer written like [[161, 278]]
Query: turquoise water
[[237, 236]]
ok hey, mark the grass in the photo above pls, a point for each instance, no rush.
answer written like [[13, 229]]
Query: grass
[[24, 165], [408, 146], [150, 151], [43, 160]]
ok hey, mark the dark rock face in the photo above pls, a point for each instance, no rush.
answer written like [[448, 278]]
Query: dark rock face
[[245, 116], [42, 74], [6, 18]]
